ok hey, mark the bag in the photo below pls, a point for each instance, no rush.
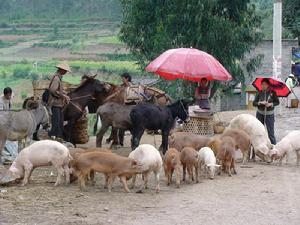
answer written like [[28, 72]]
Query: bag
[[45, 95]]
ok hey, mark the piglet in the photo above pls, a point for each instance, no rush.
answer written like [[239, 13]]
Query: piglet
[[207, 160], [172, 163], [287, 144], [42, 153], [226, 154], [150, 160], [190, 160]]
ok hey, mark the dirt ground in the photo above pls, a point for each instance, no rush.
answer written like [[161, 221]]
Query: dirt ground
[[259, 194]]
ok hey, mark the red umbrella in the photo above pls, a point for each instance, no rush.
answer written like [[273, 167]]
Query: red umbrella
[[188, 64], [276, 85]]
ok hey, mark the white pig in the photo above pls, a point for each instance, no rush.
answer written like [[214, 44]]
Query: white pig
[[288, 144], [151, 161], [257, 132], [208, 161], [42, 153]]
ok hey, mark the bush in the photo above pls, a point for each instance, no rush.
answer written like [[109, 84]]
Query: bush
[[34, 76], [21, 73]]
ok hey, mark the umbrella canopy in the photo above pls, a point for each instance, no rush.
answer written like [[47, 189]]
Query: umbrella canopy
[[276, 85], [188, 64]]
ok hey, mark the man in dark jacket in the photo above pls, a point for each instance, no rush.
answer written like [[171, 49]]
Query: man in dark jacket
[[58, 98], [265, 100]]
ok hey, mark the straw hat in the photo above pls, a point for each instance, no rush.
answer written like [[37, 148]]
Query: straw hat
[[64, 66]]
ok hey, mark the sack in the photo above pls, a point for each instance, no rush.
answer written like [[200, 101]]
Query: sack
[[45, 95]]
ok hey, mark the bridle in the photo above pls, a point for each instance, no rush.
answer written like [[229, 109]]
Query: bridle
[[186, 113], [76, 106], [47, 114]]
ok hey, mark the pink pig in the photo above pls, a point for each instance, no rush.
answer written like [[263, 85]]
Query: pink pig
[[42, 153]]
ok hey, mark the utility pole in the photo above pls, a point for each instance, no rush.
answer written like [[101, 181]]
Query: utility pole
[[277, 46], [277, 37]]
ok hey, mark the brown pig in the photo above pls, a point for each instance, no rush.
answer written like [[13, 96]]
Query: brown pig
[[242, 141], [172, 163], [226, 154], [75, 153], [110, 164], [190, 160], [179, 140]]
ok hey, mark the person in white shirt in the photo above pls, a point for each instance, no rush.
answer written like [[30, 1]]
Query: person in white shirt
[[5, 99], [290, 83]]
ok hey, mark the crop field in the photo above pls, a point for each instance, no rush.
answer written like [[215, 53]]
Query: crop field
[[29, 50]]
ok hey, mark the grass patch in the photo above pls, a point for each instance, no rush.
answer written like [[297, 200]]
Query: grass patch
[[108, 40]]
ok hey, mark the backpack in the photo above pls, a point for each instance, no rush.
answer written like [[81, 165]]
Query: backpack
[[46, 93]]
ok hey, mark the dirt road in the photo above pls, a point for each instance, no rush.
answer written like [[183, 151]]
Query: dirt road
[[260, 194]]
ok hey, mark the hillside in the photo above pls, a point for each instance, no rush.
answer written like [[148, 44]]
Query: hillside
[[36, 34]]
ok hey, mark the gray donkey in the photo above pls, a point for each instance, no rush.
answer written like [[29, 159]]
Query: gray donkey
[[18, 126]]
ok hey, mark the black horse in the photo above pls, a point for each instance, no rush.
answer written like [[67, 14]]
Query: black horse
[[152, 117], [79, 100]]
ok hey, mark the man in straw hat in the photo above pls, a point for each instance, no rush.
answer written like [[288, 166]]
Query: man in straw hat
[[58, 98]]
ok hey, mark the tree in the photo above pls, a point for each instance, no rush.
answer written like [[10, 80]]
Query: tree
[[227, 29], [291, 17]]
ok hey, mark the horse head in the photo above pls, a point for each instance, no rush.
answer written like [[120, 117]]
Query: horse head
[[93, 85], [41, 115], [180, 109]]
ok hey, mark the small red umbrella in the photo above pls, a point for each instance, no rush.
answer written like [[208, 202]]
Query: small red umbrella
[[276, 85], [188, 64]]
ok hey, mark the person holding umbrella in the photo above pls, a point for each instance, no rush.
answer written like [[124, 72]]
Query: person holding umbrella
[[265, 101]]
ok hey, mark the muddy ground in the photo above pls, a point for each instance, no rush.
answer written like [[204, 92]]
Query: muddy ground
[[259, 194]]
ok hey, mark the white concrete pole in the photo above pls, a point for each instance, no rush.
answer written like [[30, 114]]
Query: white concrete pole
[[277, 48], [277, 37]]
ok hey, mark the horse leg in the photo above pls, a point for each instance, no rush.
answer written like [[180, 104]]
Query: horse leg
[[70, 128], [136, 137], [121, 136], [100, 134], [164, 144], [114, 133], [110, 138]]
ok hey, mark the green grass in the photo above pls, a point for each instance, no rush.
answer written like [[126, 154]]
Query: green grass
[[108, 40]]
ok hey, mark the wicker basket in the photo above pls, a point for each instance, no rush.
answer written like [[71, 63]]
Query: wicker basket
[[39, 87], [80, 133], [200, 125]]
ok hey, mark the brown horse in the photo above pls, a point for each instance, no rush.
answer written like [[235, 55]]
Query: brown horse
[[80, 98]]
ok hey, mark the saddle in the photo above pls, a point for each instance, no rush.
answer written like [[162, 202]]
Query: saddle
[[134, 93]]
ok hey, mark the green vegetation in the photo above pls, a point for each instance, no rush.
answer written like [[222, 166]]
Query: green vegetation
[[35, 10], [226, 34]]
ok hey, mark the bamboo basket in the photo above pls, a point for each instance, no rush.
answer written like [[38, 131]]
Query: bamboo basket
[[80, 133], [200, 125], [39, 86]]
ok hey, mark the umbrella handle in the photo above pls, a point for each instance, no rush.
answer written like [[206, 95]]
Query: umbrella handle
[[294, 94]]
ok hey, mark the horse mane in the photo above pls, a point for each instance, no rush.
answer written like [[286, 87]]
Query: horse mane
[[84, 80]]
